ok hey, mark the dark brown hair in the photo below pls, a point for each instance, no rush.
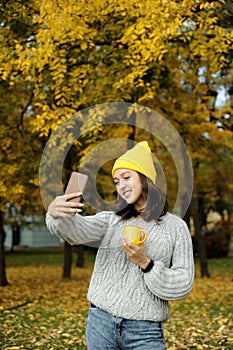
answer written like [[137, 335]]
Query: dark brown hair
[[156, 207]]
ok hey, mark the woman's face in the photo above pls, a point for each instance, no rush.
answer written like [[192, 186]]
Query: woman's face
[[129, 187]]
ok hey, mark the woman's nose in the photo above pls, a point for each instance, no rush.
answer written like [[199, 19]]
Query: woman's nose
[[121, 184]]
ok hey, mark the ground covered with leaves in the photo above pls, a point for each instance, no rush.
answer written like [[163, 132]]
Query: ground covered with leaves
[[40, 310]]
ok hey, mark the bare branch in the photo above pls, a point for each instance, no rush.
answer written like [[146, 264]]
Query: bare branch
[[20, 125], [228, 5]]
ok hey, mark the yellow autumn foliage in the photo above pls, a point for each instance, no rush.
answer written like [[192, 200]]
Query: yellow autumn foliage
[[60, 57]]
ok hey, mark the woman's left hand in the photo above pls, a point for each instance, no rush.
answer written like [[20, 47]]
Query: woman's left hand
[[135, 253]]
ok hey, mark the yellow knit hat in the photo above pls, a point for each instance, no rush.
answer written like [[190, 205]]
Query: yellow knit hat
[[139, 159]]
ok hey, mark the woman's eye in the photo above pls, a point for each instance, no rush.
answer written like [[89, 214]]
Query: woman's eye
[[126, 178]]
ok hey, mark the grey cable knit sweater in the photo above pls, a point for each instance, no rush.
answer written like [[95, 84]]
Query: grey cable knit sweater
[[118, 286]]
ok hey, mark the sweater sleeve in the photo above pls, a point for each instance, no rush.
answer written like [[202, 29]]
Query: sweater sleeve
[[80, 229], [176, 281]]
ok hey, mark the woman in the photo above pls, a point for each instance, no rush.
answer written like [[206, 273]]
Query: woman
[[131, 284]]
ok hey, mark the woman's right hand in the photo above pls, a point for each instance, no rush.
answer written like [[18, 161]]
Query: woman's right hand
[[64, 207]]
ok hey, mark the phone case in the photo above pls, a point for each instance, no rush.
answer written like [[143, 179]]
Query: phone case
[[77, 183]]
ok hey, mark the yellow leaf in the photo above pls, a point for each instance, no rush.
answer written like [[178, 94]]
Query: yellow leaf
[[83, 46]]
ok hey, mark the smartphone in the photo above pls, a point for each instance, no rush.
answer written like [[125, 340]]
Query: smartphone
[[77, 183]]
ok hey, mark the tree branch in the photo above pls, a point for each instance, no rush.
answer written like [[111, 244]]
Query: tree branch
[[228, 5], [20, 125]]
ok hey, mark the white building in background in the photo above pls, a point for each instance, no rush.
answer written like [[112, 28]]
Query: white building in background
[[32, 233]]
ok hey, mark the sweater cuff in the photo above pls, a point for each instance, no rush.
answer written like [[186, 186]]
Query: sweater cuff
[[149, 266]]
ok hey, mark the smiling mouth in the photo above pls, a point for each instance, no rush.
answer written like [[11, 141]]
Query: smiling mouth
[[126, 193]]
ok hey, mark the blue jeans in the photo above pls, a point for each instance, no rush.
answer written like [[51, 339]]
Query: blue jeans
[[107, 332]]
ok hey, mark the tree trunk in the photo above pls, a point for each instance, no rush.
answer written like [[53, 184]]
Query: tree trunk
[[67, 260], [79, 249], [201, 249], [187, 217], [3, 279], [132, 121]]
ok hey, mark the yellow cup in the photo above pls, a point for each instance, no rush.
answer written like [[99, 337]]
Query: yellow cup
[[134, 234]]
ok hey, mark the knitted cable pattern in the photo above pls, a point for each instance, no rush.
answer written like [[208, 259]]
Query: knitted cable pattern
[[117, 285]]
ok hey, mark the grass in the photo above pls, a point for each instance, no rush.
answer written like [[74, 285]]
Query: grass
[[34, 257], [40, 256], [55, 310]]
